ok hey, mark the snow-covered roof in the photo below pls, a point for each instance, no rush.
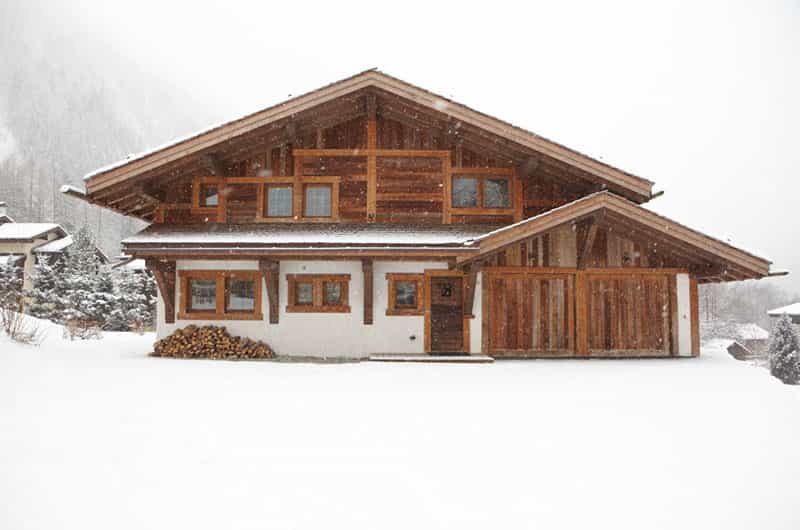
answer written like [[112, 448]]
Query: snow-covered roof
[[57, 245], [792, 310], [11, 259], [751, 331], [323, 235], [27, 231], [129, 263]]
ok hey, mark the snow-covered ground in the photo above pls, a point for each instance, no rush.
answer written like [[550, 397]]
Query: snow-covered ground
[[95, 435]]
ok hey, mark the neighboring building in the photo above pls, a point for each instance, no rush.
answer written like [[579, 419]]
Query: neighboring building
[[22, 244], [792, 310], [19, 242], [373, 216], [129, 263]]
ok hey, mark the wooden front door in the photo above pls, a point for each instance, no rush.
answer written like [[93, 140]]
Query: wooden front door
[[444, 312]]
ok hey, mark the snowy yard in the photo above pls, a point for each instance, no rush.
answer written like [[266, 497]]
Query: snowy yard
[[95, 435]]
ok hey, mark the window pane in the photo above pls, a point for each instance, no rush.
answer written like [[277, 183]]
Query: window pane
[[465, 192], [304, 293], [241, 295], [318, 201], [279, 201], [209, 195], [332, 293], [496, 193], [204, 295], [405, 294]]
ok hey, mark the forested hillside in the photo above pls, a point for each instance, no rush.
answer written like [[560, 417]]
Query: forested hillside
[[69, 104]]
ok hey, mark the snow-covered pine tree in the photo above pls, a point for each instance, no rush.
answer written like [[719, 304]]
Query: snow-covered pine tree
[[86, 287], [135, 307], [10, 285], [43, 300], [784, 352]]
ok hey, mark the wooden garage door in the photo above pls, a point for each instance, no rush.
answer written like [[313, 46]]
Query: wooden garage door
[[629, 315], [531, 314]]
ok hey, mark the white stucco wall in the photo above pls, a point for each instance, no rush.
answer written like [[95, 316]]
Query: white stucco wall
[[326, 334], [684, 316], [475, 324]]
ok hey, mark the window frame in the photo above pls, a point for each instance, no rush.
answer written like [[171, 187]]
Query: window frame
[[305, 187], [318, 302], [299, 185], [264, 189], [197, 206], [481, 179], [222, 295], [393, 278]]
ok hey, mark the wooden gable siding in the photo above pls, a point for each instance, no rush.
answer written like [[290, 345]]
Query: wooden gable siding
[[411, 187], [559, 248]]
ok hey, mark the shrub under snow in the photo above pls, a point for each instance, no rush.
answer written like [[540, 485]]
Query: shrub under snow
[[784, 352]]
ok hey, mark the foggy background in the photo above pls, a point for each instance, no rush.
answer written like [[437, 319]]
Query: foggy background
[[700, 97]]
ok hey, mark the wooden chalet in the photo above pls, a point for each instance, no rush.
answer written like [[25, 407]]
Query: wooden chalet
[[372, 216]]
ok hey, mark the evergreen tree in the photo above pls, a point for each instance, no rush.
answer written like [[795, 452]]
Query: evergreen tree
[[43, 299], [135, 308], [87, 289], [10, 285], [784, 352]]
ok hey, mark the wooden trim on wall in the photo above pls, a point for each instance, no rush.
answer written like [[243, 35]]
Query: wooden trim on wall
[[270, 269], [164, 274], [220, 277], [369, 284], [391, 308], [318, 281]]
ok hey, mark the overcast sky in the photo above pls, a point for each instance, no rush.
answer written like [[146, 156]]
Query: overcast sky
[[701, 97]]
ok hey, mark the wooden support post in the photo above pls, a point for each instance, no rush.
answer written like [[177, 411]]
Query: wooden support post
[[673, 317], [320, 144], [369, 277], [270, 269], [581, 315], [372, 161], [164, 273], [694, 312], [469, 288], [284, 159], [586, 243]]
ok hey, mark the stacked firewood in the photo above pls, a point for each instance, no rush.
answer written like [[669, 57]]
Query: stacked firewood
[[210, 342]]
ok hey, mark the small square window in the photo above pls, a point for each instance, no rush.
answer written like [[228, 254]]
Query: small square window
[[332, 293], [465, 192], [304, 293], [496, 193], [203, 295], [279, 201], [317, 201], [241, 295], [209, 195], [405, 294]]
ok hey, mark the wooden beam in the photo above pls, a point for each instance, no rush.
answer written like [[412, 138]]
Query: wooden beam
[[694, 311], [271, 272], [581, 315], [470, 282], [369, 278], [585, 246], [213, 163], [164, 273]]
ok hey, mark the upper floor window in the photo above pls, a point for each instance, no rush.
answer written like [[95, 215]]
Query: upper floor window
[[482, 192], [279, 200], [209, 195], [317, 200]]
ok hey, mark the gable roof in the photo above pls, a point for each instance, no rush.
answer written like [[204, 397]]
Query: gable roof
[[55, 246], [28, 231], [196, 142], [630, 215]]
